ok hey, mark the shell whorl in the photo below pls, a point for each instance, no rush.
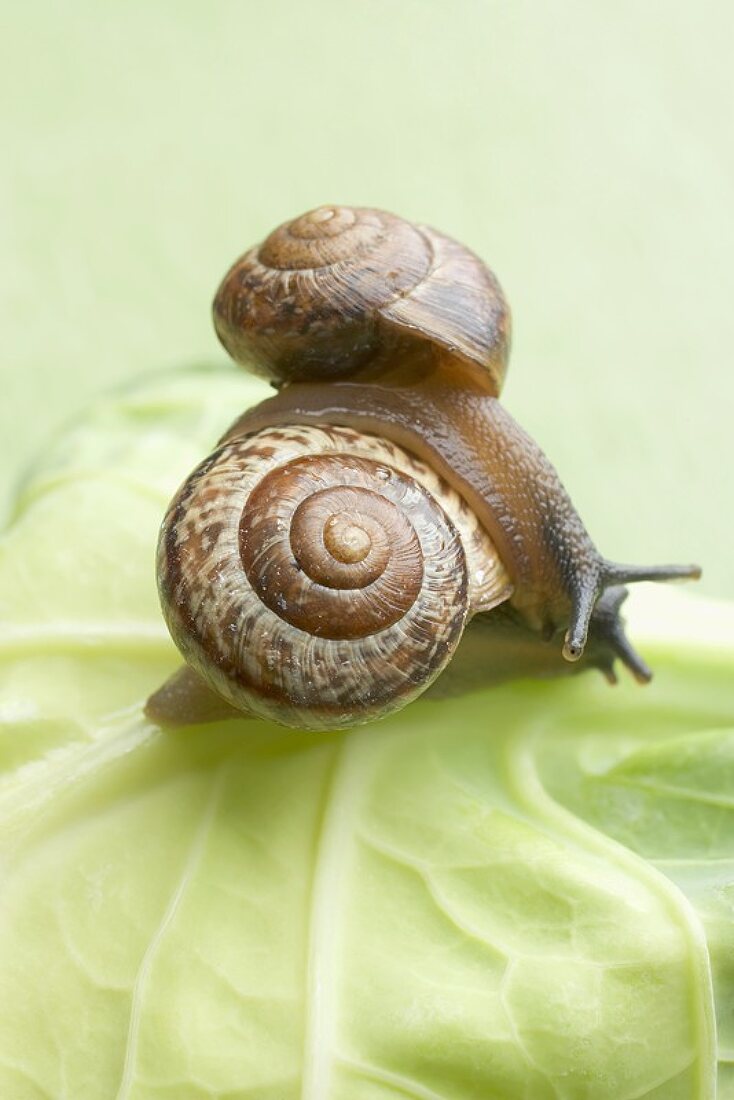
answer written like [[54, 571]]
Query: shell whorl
[[320, 577], [328, 292]]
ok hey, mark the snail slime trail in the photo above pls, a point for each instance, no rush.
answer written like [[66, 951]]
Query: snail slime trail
[[321, 567]]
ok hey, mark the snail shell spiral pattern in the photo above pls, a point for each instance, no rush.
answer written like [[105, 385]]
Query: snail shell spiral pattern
[[321, 577], [326, 293]]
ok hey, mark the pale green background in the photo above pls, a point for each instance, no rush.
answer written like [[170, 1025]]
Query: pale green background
[[584, 149]]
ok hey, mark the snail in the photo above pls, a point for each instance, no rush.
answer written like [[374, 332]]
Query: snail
[[321, 567]]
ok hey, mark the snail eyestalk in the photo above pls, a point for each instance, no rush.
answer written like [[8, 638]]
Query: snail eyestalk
[[615, 573], [611, 575]]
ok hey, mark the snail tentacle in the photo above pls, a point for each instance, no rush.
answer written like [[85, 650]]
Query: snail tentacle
[[588, 587]]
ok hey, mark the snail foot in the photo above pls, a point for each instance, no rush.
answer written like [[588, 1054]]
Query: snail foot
[[185, 700]]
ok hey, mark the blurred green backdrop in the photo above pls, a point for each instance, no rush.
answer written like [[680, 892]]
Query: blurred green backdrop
[[585, 150]]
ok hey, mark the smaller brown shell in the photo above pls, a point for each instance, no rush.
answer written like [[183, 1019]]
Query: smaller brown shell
[[327, 293], [319, 577]]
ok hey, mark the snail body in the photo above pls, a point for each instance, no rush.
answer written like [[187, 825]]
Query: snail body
[[320, 568]]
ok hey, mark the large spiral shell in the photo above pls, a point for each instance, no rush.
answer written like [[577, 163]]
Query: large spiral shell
[[326, 293], [320, 577]]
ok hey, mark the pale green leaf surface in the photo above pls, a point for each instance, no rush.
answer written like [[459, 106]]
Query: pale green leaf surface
[[523, 895]]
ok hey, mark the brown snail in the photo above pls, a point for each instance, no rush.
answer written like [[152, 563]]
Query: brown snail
[[322, 565]]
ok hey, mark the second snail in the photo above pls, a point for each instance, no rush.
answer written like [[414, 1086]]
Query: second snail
[[381, 527]]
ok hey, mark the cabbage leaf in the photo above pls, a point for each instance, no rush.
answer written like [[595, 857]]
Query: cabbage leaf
[[526, 894]]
